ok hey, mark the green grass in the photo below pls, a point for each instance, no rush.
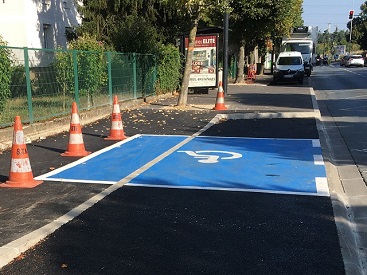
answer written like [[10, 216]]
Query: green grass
[[50, 106]]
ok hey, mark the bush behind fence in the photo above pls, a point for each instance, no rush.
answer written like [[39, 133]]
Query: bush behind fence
[[44, 82]]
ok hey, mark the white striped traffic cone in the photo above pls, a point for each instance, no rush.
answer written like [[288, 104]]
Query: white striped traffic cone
[[117, 129], [20, 175], [219, 104], [76, 144]]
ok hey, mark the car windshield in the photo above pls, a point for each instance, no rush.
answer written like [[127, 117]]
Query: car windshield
[[290, 60], [356, 56], [297, 47]]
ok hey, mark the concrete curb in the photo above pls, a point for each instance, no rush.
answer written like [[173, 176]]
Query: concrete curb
[[41, 130], [348, 195]]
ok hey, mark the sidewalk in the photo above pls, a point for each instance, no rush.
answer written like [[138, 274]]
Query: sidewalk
[[24, 210]]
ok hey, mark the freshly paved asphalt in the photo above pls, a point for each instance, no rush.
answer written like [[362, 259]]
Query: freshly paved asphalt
[[140, 230]]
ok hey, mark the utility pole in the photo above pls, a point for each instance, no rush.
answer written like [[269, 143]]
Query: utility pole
[[225, 52], [351, 16]]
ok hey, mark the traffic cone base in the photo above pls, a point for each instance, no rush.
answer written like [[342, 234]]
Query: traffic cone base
[[219, 104], [117, 129], [20, 175], [23, 184], [73, 153], [76, 144]]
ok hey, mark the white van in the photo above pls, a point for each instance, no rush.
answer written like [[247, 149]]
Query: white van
[[289, 67]]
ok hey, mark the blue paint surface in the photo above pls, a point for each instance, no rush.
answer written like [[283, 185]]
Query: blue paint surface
[[266, 164], [121, 161]]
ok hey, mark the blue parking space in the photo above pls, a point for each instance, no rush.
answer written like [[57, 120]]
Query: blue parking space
[[223, 163], [279, 165], [115, 162]]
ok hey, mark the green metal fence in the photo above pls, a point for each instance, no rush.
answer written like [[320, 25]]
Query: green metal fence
[[45, 82]]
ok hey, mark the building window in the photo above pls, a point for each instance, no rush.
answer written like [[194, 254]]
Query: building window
[[70, 34], [47, 36]]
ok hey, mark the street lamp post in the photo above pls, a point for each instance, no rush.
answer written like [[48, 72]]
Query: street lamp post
[[225, 52], [351, 29]]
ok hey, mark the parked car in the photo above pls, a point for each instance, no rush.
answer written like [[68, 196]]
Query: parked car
[[355, 60], [343, 60], [289, 67]]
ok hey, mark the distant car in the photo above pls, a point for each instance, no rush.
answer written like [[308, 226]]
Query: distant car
[[289, 67], [355, 60], [343, 60]]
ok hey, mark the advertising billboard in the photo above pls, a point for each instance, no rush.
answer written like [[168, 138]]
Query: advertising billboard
[[204, 61]]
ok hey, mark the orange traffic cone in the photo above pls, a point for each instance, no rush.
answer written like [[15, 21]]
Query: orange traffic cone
[[117, 129], [219, 104], [20, 175], [76, 144]]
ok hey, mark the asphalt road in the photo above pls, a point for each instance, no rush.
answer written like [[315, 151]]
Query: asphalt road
[[145, 230], [343, 90]]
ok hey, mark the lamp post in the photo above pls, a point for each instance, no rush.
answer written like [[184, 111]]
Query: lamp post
[[225, 52], [351, 15]]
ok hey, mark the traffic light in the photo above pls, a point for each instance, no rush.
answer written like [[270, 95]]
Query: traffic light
[[351, 13]]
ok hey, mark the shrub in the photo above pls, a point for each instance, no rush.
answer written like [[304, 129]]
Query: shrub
[[169, 69], [5, 73], [91, 67]]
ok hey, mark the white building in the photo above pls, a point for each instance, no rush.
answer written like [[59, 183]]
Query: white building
[[40, 24], [37, 23]]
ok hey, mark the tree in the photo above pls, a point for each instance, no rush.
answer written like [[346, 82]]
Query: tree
[[359, 31], [127, 25], [328, 41], [194, 11], [255, 21], [135, 34]]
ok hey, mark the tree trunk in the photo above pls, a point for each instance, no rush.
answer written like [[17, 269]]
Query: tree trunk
[[182, 99], [240, 65]]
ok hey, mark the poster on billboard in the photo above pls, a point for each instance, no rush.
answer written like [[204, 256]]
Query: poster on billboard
[[340, 49], [204, 71]]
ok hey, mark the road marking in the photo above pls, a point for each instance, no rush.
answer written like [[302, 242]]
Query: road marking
[[219, 163], [315, 104], [209, 158], [353, 72], [316, 143], [360, 150], [322, 186], [318, 160]]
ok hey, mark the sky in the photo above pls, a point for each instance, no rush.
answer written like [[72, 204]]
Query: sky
[[327, 14]]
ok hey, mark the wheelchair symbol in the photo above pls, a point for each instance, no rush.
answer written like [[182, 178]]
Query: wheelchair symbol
[[211, 156]]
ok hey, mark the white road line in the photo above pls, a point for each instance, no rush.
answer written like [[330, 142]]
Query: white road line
[[322, 186], [84, 159], [315, 105], [318, 160], [320, 194], [316, 143], [314, 114]]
